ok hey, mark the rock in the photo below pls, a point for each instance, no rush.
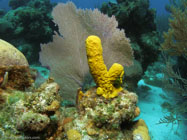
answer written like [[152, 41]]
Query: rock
[[73, 135], [109, 113], [31, 121]]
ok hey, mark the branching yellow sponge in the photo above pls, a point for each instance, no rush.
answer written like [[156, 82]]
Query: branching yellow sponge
[[104, 79]]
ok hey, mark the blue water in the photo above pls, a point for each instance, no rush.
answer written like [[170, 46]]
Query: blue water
[[159, 5], [4, 5], [84, 3]]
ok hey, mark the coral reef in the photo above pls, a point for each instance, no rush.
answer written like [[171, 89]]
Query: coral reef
[[133, 16], [2, 12], [28, 25], [31, 112], [36, 113], [25, 110], [109, 113], [73, 135], [175, 50], [10, 56], [66, 55], [28, 111], [17, 3], [98, 118], [14, 68], [32, 121], [44, 99], [5, 26]]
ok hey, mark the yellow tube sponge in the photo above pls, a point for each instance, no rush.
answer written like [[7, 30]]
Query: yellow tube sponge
[[108, 82]]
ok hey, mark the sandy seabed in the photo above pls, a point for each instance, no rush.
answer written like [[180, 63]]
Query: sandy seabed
[[151, 111]]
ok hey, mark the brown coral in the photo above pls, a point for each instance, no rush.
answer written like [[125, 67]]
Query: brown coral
[[109, 112], [32, 121], [73, 134], [137, 111], [175, 42], [55, 105], [14, 67]]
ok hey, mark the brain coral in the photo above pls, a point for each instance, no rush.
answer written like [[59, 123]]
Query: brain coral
[[14, 68], [10, 56]]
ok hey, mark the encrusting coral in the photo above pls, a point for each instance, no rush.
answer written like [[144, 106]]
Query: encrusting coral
[[109, 113], [32, 111], [140, 131], [99, 118], [23, 111], [45, 98], [73, 135], [38, 110], [32, 121], [103, 118], [104, 79]]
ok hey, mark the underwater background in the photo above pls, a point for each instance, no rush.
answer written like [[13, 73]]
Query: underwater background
[[93, 69]]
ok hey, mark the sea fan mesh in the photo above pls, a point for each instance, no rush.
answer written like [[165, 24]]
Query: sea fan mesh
[[66, 55]]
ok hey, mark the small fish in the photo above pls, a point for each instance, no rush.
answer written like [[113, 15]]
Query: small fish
[[5, 80]]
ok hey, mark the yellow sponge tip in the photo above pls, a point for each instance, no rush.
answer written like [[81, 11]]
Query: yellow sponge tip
[[93, 38]]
